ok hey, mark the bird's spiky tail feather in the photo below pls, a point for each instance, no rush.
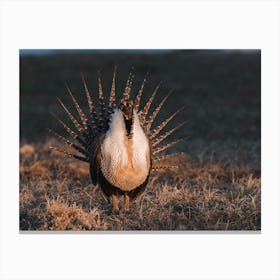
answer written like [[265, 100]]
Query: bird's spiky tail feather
[[90, 126]]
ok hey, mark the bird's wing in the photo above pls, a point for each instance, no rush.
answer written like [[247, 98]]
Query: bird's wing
[[96, 160]]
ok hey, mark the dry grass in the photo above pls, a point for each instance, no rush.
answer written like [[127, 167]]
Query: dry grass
[[56, 194]]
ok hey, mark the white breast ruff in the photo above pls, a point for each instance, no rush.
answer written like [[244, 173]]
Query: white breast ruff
[[123, 168]]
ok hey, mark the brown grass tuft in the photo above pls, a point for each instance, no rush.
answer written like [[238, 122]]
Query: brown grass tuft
[[27, 150], [63, 216]]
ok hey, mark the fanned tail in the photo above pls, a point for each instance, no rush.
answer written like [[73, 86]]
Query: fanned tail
[[112, 98], [73, 134], [127, 90], [169, 145], [159, 139], [69, 143], [70, 154], [88, 127], [103, 116], [93, 117], [151, 119], [158, 129], [78, 108], [147, 106], [86, 130], [139, 94], [163, 158], [165, 167], [72, 118]]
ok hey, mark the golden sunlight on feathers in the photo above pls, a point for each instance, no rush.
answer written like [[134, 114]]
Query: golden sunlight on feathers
[[118, 141]]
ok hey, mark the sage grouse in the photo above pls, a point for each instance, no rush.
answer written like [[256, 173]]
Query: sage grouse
[[117, 141]]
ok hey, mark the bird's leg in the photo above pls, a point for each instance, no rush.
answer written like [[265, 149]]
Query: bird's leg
[[126, 203], [115, 202]]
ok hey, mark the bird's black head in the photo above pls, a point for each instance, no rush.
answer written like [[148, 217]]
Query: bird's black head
[[126, 107]]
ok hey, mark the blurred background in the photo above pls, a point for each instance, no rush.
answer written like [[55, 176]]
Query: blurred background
[[220, 88]]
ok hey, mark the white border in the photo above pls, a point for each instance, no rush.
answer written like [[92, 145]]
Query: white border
[[156, 24]]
